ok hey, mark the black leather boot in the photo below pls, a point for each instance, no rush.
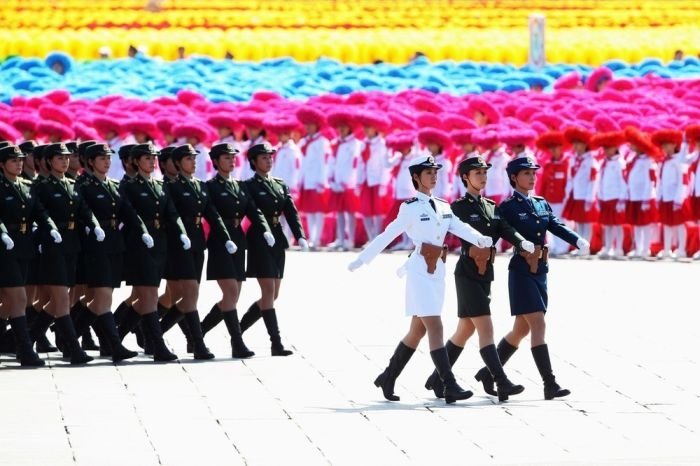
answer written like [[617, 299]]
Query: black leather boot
[[238, 347], [387, 379], [452, 391], [119, 312], [434, 383], [108, 328], [25, 352], [171, 318], [505, 386], [105, 345], [544, 366], [185, 329], [276, 348], [505, 351], [251, 316], [72, 349], [130, 318], [79, 313], [212, 319], [151, 326], [200, 349], [162, 310], [37, 332]]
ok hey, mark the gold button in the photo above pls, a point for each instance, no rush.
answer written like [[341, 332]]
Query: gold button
[[199, 202], [488, 224], [114, 204], [537, 221], [24, 206], [539, 234], [70, 203], [157, 202]]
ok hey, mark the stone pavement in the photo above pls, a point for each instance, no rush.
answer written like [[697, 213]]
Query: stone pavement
[[623, 336]]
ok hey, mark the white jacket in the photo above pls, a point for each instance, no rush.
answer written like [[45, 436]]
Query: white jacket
[[445, 178], [612, 180], [641, 179], [374, 171], [583, 177], [673, 181], [498, 183], [287, 164], [342, 166], [314, 165], [403, 187]]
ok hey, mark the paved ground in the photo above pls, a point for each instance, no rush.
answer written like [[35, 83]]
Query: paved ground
[[624, 338]]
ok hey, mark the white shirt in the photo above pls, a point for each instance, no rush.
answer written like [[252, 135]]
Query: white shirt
[[314, 167], [673, 182], [583, 175], [612, 180], [342, 166], [641, 179], [287, 163], [497, 183], [374, 171], [403, 187]]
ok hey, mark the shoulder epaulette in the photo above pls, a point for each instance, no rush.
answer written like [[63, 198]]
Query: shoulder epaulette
[[410, 201], [70, 180], [490, 201], [511, 198], [540, 198], [441, 200], [25, 181]]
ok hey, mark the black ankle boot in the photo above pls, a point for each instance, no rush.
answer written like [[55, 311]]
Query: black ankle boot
[[25, 353], [238, 347], [544, 366], [505, 386], [251, 316], [270, 318], [434, 383], [151, 326], [130, 318], [107, 327], [387, 379], [37, 332], [72, 349], [505, 351], [212, 319], [200, 349], [453, 392]]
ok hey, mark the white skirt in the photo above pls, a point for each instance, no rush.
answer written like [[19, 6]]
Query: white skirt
[[425, 292]]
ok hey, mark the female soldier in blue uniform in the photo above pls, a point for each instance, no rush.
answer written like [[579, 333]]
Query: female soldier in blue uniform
[[233, 202], [474, 274], [266, 263], [18, 209], [532, 217]]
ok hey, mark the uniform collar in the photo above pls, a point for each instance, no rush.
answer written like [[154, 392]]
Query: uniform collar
[[518, 193], [424, 197], [476, 198]]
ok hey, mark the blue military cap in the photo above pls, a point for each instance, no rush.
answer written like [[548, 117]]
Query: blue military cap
[[165, 154], [521, 163], [420, 163]]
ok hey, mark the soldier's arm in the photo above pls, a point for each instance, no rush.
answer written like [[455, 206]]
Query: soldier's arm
[[506, 230], [292, 215], [254, 214], [212, 215], [558, 228], [172, 215]]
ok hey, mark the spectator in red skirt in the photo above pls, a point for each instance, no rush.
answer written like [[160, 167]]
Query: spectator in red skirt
[[642, 177], [553, 181], [579, 206], [612, 192], [674, 205]]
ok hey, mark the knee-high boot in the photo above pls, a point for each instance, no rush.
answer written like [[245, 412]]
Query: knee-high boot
[[199, 348], [387, 379], [72, 349], [434, 383], [212, 319], [505, 351], [238, 347], [505, 387], [452, 391], [108, 328], [129, 319], [25, 353], [270, 318], [544, 366], [151, 326], [251, 316], [78, 313], [37, 331]]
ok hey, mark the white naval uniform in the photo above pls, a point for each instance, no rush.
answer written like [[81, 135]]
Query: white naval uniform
[[425, 292]]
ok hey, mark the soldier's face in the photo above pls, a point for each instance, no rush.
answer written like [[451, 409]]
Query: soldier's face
[[525, 179], [12, 167], [427, 178], [263, 163], [170, 168], [101, 164], [188, 165], [29, 162], [74, 162], [59, 163], [146, 163], [477, 178], [225, 163]]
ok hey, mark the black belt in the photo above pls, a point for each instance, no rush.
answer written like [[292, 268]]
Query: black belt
[[21, 228], [273, 221], [155, 223], [234, 222], [70, 225], [196, 220], [111, 223]]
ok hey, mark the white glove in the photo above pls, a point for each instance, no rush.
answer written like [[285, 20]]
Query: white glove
[[269, 238], [99, 234], [484, 242], [528, 246], [231, 247], [186, 244], [620, 207], [354, 265], [303, 244], [9, 244], [583, 246], [147, 240], [56, 236]]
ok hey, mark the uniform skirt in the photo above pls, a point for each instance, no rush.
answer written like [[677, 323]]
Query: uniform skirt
[[425, 292], [143, 266], [57, 268], [527, 292], [609, 214], [639, 217], [224, 266], [265, 261], [473, 297], [33, 273], [80, 272], [670, 217], [103, 270], [184, 265], [575, 210], [14, 271]]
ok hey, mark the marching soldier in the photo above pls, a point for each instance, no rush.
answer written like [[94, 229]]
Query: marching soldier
[[58, 260], [532, 217], [474, 274], [29, 171], [233, 201], [146, 255], [18, 210], [427, 220], [266, 263]]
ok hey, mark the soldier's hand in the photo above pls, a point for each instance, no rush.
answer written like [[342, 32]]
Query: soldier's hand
[[528, 246], [231, 247], [303, 244], [9, 244], [269, 238], [584, 246], [147, 240], [354, 265], [186, 243], [484, 242], [56, 236], [99, 234]]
